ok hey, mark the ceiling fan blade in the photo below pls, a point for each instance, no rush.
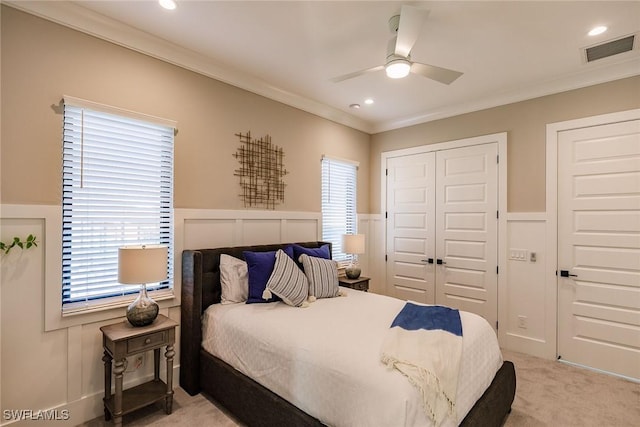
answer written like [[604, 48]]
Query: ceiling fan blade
[[356, 74], [438, 74], [411, 20]]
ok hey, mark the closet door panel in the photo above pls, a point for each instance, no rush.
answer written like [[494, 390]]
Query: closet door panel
[[467, 229], [410, 227]]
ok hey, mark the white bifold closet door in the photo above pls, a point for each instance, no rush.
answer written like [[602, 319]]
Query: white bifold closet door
[[442, 228]]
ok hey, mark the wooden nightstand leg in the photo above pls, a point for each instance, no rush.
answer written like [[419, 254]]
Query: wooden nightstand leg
[[107, 384], [169, 399], [118, 370], [156, 364]]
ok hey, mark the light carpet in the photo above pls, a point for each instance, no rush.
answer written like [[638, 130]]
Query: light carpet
[[551, 393], [548, 393]]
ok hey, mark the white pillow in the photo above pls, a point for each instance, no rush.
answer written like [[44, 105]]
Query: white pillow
[[234, 279]]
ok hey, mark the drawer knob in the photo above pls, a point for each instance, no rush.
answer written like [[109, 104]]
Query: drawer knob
[[147, 341]]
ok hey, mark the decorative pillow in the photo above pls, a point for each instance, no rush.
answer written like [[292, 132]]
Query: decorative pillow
[[321, 252], [287, 281], [322, 275], [233, 279], [260, 265]]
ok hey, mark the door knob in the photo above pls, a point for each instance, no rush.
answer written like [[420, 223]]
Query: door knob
[[440, 262], [565, 273], [428, 261]]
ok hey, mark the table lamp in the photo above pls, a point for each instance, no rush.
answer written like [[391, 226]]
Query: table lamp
[[353, 244], [141, 265]]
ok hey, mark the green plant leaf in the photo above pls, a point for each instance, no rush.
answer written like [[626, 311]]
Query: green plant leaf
[[29, 242]]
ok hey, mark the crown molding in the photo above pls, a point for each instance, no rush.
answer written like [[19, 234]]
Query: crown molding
[[87, 21], [588, 77]]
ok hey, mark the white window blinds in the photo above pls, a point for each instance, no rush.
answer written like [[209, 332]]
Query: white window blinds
[[338, 203], [117, 191]]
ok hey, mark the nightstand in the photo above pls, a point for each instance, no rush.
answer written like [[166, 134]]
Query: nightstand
[[121, 340], [359, 284]]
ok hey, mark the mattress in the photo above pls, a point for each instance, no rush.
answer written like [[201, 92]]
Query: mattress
[[325, 359]]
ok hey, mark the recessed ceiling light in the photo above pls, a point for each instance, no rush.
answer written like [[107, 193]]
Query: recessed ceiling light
[[167, 4], [368, 101], [356, 106], [597, 30]]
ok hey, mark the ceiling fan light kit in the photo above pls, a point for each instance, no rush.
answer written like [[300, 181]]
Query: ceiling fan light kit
[[406, 28], [398, 68]]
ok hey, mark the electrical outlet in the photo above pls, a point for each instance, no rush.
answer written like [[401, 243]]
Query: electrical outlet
[[522, 322], [533, 257], [139, 361], [135, 362]]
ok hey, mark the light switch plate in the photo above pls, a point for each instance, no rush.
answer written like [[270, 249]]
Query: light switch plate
[[518, 254]]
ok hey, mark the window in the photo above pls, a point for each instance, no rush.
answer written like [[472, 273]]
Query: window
[[338, 203], [117, 190]]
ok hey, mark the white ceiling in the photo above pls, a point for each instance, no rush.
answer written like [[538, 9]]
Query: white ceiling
[[288, 51]]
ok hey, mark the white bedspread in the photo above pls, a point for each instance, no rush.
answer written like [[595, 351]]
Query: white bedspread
[[325, 359]]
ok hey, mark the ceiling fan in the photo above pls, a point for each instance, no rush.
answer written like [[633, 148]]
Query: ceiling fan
[[406, 28]]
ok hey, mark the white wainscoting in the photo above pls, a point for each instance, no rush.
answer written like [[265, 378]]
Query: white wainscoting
[[62, 360], [204, 228], [526, 306], [69, 357], [65, 359], [211, 228]]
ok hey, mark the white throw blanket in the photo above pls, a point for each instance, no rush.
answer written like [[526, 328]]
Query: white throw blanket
[[424, 343]]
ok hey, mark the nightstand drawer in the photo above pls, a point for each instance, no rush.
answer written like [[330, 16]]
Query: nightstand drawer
[[145, 342], [359, 284]]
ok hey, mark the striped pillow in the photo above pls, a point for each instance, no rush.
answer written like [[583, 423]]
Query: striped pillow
[[287, 281], [322, 275]]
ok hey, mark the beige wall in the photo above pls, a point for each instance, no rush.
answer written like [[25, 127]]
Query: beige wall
[[42, 61], [525, 123]]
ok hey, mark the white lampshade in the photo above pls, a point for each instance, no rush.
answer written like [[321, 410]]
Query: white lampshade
[[353, 243], [142, 264]]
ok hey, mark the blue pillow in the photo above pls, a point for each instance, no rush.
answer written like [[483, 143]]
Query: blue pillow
[[321, 252], [260, 266]]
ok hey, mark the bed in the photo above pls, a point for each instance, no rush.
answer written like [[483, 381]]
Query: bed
[[202, 368]]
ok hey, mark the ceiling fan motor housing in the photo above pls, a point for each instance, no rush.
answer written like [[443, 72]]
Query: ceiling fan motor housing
[[391, 51], [394, 24]]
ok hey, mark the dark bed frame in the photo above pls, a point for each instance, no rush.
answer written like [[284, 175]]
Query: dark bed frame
[[250, 402]]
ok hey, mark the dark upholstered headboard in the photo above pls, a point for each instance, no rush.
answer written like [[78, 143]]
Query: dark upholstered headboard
[[201, 288]]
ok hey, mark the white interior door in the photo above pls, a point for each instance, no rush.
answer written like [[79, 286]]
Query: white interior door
[[410, 227], [467, 230], [599, 247]]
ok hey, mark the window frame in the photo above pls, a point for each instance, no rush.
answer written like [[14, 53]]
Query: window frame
[[167, 289], [351, 222]]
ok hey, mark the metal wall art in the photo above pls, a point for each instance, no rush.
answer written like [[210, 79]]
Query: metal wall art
[[261, 171]]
